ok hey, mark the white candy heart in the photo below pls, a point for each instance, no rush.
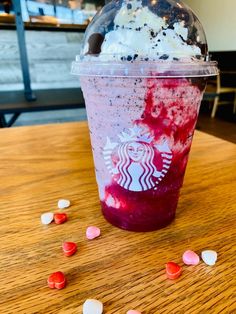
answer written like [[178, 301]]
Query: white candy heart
[[209, 257], [92, 306], [63, 204], [47, 218]]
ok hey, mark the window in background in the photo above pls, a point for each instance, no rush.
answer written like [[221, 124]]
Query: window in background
[[5, 7], [6, 11], [54, 12]]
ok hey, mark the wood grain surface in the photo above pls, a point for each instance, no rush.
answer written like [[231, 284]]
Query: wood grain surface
[[124, 270]]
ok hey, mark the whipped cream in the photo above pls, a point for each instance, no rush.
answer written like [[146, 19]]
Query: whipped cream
[[140, 34]]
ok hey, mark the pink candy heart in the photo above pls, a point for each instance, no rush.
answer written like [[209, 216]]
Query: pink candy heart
[[92, 232], [133, 312], [190, 258]]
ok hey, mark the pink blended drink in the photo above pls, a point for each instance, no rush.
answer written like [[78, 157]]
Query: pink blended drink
[[142, 103]]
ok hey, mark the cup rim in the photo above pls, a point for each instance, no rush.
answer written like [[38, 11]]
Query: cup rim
[[146, 69]]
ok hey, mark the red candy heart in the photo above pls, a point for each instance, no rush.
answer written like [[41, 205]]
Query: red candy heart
[[57, 280], [60, 218], [173, 270], [69, 248]]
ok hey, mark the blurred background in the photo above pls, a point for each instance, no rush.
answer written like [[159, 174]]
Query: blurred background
[[40, 38]]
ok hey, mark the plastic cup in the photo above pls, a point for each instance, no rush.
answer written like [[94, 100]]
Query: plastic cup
[[142, 116]]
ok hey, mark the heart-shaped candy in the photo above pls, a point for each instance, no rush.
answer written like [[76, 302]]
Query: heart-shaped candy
[[209, 257], [69, 248], [92, 306], [47, 218], [57, 280], [173, 270], [190, 258], [60, 218], [92, 232], [63, 204]]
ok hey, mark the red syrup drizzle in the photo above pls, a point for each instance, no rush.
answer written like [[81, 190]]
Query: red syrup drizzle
[[155, 208]]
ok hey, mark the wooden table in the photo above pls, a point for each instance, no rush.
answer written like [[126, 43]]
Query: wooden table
[[124, 270]]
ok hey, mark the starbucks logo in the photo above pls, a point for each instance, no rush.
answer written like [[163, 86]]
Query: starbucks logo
[[132, 161]]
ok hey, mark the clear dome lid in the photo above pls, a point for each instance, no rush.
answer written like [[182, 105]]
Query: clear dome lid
[[156, 32]]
